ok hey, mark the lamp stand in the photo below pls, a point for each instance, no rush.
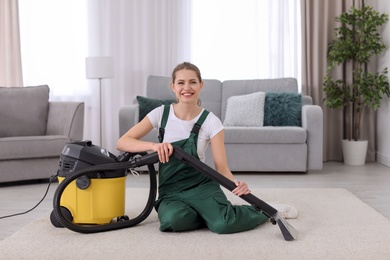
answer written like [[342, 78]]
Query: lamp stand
[[101, 113]]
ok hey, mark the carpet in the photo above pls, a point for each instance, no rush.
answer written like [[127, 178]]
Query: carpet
[[333, 224]]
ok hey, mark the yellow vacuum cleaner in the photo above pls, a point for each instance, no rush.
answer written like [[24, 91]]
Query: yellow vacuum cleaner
[[91, 193]]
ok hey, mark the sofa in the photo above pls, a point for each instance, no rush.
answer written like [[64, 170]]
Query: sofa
[[33, 132], [252, 144]]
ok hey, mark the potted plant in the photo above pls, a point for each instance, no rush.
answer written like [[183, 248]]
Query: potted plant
[[356, 41]]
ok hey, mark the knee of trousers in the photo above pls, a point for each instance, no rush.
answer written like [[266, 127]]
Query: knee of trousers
[[179, 220]]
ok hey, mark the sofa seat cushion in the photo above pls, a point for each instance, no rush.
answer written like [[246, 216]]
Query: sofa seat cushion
[[23, 111], [28, 147], [265, 135]]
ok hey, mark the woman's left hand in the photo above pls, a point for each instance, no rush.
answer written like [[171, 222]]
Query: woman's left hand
[[241, 189]]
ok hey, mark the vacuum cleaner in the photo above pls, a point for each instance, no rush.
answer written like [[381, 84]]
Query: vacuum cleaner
[[92, 184]]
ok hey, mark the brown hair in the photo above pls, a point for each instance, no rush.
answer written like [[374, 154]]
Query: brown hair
[[186, 66]]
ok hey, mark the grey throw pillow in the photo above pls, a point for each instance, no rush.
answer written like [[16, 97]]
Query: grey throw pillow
[[245, 110], [23, 111]]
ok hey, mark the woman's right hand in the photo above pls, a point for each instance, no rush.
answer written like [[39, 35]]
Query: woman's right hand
[[164, 151]]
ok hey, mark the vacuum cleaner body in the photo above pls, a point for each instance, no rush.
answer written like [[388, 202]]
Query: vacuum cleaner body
[[94, 198]]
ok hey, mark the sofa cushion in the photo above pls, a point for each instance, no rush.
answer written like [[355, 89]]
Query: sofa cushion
[[23, 111], [265, 135], [148, 104], [29, 147], [245, 110], [282, 109]]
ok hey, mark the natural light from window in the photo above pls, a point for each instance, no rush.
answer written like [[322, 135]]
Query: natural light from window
[[235, 39], [54, 44]]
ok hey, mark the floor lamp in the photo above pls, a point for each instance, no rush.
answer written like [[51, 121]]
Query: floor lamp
[[99, 68]]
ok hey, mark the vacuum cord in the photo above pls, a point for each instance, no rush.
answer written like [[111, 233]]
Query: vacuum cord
[[52, 178]]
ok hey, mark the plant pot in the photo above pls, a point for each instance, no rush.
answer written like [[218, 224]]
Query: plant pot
[[354, 152]]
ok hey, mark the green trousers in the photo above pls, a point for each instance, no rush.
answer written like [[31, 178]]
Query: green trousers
[[206, 206]]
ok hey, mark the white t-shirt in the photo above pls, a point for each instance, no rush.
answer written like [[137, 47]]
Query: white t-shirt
[[177, 129]]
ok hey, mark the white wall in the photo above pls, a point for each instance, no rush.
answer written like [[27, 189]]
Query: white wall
[[383, 113]]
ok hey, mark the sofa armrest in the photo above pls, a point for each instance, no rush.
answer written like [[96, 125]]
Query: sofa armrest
[[312, 121], [128, 117], [66, 118]]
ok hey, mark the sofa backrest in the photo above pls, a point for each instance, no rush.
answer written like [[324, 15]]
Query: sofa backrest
[[23, 111], [242, 87], [158, 87]]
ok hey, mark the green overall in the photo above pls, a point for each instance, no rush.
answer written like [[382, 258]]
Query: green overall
[[190, 200]]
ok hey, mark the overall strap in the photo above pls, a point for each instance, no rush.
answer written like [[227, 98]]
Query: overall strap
[[198, 124], [164, 119]]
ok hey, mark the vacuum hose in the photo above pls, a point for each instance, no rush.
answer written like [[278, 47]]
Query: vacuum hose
[[146, 159]]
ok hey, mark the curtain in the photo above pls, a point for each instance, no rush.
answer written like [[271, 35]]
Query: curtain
[[246, 39], [318, 24], [144, 38], [10, 57]]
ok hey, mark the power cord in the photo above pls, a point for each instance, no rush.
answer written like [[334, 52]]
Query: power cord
[[53, 177]]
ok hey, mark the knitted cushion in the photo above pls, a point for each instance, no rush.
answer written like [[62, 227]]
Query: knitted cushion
[[245, 110]]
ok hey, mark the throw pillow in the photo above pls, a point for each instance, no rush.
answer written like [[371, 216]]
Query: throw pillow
[[148, 104], [245, 110], [23, 111], [282, 109]]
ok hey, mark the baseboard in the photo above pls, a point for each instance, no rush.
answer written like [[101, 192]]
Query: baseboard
[[383, 159]]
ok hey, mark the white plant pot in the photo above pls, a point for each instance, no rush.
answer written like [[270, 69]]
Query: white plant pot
[[354, 152]]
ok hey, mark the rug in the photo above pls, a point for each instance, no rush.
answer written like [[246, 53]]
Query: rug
[[333, 224]]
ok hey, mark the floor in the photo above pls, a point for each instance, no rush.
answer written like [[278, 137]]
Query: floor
[[370, 183]]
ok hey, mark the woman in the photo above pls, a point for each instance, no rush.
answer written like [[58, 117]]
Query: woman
[[188, 199]]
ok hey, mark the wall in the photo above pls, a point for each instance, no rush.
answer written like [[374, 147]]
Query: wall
[[383, 113]]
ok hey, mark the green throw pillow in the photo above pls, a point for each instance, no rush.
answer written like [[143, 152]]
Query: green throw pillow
[[282, 109], [148, 104]]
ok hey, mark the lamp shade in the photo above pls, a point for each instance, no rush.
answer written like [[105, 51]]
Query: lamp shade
[[99, 67]]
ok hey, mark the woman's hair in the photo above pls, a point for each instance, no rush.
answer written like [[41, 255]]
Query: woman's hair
[[186, 66]]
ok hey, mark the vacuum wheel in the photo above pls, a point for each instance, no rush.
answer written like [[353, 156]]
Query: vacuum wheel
[[122, 218], [66, 214]]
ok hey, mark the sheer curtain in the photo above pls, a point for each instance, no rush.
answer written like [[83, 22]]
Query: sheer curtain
[[143, 37], [235, 39], [10, 58], [228, 39]]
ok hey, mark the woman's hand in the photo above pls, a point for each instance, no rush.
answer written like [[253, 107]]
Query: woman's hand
[[241, 189], [164, 151]]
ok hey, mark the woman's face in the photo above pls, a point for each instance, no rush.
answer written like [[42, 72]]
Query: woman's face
[[187, 86]]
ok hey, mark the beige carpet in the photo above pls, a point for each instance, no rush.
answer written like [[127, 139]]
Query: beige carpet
[[333, 224]]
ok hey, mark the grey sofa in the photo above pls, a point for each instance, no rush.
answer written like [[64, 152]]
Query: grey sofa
[[33, 132], [250, 148]]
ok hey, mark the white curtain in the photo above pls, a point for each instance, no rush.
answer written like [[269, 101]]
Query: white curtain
[[227, 39], [234, 39], [143, 37], [10, 60]]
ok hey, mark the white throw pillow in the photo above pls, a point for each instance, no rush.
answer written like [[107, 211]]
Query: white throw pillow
[[245, 110]]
